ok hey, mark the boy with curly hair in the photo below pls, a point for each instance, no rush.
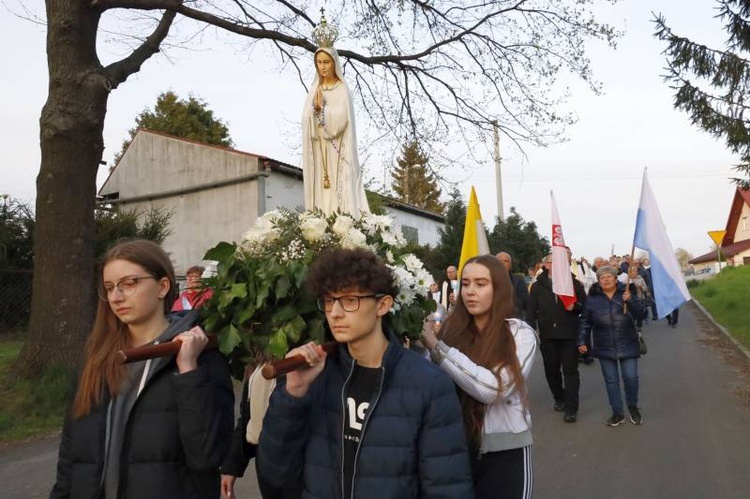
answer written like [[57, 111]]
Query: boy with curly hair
[[376, 420]]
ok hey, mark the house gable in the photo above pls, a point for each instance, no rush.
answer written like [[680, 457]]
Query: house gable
[[738, 222]]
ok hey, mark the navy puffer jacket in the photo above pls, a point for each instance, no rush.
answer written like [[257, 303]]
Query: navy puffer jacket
[[613, 331], [413, 443]]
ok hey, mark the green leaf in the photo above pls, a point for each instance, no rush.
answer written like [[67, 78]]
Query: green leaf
[[315, 330], [246, 314], [295, 328], [221, 252], [239, 290], [229, 338], [283, 285], [277, 344]]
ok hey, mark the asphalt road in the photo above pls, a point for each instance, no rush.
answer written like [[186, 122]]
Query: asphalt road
[[694, 443]]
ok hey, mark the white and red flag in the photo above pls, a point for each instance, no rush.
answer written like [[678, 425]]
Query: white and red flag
[[562, 279]]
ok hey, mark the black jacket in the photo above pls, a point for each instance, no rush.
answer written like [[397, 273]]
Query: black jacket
[[611, 329], [177, 434], [413, 443], [520, 296], [547, 312]]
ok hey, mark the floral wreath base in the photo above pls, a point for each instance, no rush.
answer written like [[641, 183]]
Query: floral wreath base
[[260, 307]]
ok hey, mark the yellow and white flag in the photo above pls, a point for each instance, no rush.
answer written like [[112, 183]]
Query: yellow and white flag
[[475, 234]]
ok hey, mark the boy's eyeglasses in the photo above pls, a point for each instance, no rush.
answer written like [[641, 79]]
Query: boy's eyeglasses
[[350, 303], [126, 286]]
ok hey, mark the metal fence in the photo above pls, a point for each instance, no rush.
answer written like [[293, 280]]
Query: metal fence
[[15, 299]]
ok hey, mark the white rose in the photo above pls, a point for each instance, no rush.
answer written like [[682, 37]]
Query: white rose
[[342, 225], [313, 228], [354, 239], [254, 235]]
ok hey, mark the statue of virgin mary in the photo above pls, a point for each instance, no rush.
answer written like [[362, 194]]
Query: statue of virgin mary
[[330, 163]]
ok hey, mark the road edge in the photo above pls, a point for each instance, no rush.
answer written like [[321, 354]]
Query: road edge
[[739, 347]]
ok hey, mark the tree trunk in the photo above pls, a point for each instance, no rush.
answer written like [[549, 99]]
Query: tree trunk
[[71, 126]]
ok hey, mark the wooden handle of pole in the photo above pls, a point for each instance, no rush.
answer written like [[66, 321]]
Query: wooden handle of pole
[[271, 370], [129, 355]]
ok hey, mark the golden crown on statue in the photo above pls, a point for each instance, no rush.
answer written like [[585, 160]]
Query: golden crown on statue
[[324, 34]]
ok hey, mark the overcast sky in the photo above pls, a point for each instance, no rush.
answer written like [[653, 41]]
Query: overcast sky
[[595, 175]]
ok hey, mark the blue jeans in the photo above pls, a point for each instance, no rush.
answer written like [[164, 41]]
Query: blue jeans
[[611, 373]]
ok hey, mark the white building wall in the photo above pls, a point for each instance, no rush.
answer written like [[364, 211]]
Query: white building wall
[[156, 165], [427, 228], [743, 225]]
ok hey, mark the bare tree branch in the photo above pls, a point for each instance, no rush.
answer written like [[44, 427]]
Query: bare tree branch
[[119, 71]]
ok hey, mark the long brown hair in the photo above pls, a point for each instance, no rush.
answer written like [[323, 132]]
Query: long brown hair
[[493, 347], [101, 366]]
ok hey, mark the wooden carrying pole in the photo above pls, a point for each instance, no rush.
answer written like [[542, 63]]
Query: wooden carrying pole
[[129, 355], [279, 367]]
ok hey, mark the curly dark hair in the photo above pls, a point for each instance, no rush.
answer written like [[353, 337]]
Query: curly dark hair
[[338, 269]]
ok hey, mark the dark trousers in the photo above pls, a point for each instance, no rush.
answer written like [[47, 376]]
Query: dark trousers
[[268, 491], [562, 355], [506, 474], [672, 318]]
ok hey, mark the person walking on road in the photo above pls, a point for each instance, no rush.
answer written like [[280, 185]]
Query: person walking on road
[[608, 330], [558, 330], [489, 356], [376, 420], [520, 289], [152, 429]]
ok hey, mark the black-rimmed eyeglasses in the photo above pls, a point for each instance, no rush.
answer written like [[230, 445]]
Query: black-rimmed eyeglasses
[[350, 303]]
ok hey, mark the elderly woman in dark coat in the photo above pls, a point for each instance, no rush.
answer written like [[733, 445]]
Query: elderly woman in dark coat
[[608, 320]]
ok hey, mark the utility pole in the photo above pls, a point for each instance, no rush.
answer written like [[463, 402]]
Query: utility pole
[[498, 174]]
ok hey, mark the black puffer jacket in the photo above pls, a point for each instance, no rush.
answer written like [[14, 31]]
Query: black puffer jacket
[[547, 312], [177, 434], [613, 331], [413, 442]]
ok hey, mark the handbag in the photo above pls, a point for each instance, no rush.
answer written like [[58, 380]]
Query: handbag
[[642, 348]]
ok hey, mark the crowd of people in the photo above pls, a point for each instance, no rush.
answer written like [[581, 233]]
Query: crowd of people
[[445, 418]]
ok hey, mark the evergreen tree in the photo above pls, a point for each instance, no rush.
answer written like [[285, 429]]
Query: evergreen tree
[[520, 239], [413, 182], [448, 249], [189, 119], [711, 84]]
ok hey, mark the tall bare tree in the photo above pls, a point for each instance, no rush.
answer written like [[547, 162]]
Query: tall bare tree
[[419, 68]]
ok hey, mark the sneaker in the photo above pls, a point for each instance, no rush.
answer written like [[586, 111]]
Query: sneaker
[[559, 406], [635, 415], [570, 417], [615, 420]]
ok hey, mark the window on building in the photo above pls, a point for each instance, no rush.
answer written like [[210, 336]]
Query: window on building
[[411, 234], [745, 223], [746, 260]]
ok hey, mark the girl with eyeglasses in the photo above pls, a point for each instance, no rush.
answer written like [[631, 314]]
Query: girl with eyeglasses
[[150, 429]]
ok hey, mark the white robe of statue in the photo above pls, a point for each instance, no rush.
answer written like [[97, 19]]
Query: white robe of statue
[[330, 145]]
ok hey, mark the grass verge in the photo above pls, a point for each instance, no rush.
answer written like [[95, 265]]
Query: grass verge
[[29, 408], [727, 297]]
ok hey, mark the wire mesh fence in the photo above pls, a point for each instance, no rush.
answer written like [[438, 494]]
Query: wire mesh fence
[[15, 299]]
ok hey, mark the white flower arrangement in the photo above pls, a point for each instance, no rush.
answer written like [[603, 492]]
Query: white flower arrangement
[[260, 300]]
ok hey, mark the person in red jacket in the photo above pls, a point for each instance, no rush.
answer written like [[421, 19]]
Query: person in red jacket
[[196, 293]]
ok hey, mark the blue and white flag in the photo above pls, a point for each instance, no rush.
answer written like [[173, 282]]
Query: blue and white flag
[[669, 287]]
